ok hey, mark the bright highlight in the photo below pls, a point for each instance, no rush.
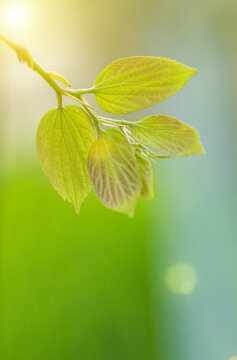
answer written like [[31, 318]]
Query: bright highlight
[[181, 279], [15, 16]]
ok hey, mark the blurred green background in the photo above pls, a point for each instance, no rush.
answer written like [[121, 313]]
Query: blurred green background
[[100, 285]]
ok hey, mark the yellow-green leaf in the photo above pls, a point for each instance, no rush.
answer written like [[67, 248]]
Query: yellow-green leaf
[[63, 141], [113, 171], [146, 174], [58, 77], [167, 135], [134, 83]]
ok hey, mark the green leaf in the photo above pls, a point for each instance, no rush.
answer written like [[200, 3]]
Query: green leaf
[[58, 77], [134, 83], [63, 141], [146, 174], [167, 135], [113, 171]]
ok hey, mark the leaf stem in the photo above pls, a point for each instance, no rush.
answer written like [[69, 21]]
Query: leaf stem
[[116, 122], [79, 92], [93, 116], [8, 42], [24, 56], [76, 98], [60, 103], [47, 78]]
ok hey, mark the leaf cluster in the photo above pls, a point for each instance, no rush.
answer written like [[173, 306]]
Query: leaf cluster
[[78, 148]]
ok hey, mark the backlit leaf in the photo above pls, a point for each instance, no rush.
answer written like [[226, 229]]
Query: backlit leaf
[[167, 135], [63, 140], [134, 83], [146, 174], [113, 171]]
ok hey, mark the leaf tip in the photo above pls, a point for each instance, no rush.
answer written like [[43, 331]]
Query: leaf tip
[[191, 72], [153, 196], [197, 149], [131, 212], [201, 151], [77, 208], [194, 71]]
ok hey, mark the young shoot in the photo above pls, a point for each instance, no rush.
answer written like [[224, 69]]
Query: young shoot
[[79, 149]]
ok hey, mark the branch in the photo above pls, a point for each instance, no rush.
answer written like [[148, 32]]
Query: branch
[[24, 56]]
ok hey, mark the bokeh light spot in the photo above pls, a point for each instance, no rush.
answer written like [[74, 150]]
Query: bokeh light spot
[[233, 358], [181, 279]]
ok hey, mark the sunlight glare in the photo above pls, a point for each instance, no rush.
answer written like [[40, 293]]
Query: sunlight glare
[[15, 16]]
